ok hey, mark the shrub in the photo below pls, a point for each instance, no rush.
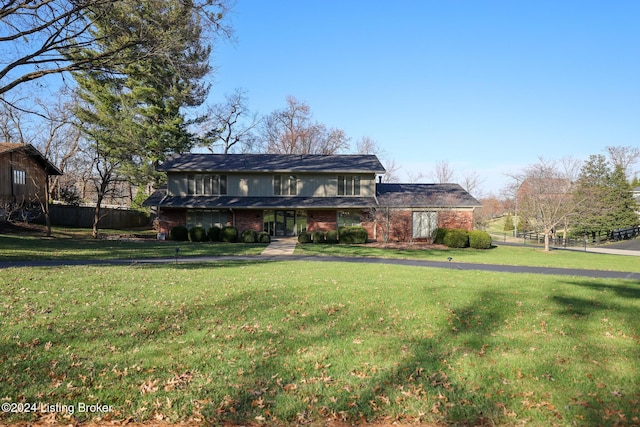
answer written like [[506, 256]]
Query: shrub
[[263, 237], [331, 236], [229, 234], [318, 237], [352, 235], [304, 237], [197, 234], [249, 236], [457, 238], [441, 233], [508, 223], [214, 233], [479, 239], [180, 233]]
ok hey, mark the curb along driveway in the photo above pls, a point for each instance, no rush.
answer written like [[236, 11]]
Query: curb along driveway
[[600, 274]]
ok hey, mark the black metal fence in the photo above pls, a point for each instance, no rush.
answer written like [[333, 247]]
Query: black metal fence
[[536, 238]]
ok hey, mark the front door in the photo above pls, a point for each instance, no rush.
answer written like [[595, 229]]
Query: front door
[[285, 223]]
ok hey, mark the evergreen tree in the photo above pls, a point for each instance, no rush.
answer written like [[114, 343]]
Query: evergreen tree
[[135, 113], [508, 223], [610, 203], [622, 214]]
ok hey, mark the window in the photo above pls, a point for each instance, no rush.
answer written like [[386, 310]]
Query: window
[[424, 224], [285, 185], [19, 177], [348, 185], [206, 218], [349, 218], [209, 185]]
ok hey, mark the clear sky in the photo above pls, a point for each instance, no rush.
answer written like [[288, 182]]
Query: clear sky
[[485, 85]]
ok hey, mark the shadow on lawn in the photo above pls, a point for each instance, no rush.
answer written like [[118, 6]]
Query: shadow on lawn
[[276, 353]]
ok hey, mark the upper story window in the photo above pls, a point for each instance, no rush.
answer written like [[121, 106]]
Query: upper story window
[[19, 177], [348, 185], [285, 185], [210, 185]]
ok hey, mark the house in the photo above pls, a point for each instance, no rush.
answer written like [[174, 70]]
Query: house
[[24, 175], [286, 194]]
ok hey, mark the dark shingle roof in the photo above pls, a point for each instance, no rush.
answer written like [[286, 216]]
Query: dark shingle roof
[[226, 202], [424, 195], [34, 153], [194, 162]]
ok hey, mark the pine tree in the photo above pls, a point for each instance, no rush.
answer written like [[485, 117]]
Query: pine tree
[[135, 113], [508, 223]]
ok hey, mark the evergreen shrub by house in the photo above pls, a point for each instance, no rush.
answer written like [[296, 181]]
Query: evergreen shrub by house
[[180, 233], [331, 236], [352, 235], [197, 234], [249, 236], [229, 234], [479, 239], [457, 238], [440, 235], [214, 233], [304, 237], [318, 237], [263, 237]]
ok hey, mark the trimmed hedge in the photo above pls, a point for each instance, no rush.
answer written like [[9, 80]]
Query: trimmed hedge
[[457, 238], [214, 233], [479, 239], [318, 237], [263, 237], [304, 237], [331, 236], [352, 235], [440, 234], [198, 234], [180, 233], [229, 234], [249, 236]]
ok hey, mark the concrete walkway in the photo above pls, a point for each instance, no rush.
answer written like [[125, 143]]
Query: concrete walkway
[[281, 246]]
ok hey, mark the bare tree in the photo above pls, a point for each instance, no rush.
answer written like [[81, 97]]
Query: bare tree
[[546, 197], [472, 182], [443, 172], [366, 145], [44, 37], [624, 157], [293, 131], [230, 124]]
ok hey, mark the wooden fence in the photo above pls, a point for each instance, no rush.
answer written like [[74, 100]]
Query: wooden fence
[[82, 216]]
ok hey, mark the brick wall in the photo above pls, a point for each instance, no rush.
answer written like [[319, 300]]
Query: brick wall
[[456, 219], [398, 223], [321, 221], [169, 218], [249, 220]]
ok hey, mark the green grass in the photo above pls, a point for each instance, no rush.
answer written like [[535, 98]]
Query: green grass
[[503, 255], [305, 342], [79, 246]]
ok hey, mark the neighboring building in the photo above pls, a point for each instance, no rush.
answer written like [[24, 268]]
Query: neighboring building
[[286, 194], [23, 176]]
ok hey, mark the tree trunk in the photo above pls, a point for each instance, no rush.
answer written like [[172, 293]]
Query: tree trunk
[[546, 241], [96, 216], [47, 215]]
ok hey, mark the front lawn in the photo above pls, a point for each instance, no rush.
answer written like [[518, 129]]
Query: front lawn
[[302, 342], [503, 255], [21, 247]]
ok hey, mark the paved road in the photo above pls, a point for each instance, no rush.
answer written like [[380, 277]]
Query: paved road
[[302, 258]]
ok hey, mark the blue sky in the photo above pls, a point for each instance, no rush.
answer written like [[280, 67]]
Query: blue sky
[[488, 86]]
